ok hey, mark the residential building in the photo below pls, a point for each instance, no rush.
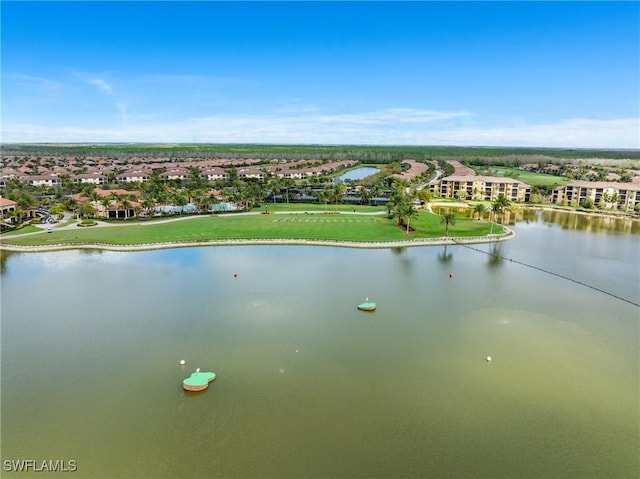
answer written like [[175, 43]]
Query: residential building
[[90, 178], [488, 188], [175, 174], [133, 176], [621, 196], [254, 173], [40, 180], [7, 210], [214, 173]]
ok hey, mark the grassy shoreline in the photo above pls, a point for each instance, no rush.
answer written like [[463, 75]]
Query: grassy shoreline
[[254, 242], [335, 228]]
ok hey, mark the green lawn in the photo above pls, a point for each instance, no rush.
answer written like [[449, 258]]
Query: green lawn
[[529, 177], [20, 231], [541, 179], [317, 226]]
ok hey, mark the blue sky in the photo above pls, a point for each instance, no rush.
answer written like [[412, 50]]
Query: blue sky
[[417, 73]]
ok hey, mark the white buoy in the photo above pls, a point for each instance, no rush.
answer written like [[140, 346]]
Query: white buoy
[[489, 359], [198, 370], [182, 361], [297, 350]]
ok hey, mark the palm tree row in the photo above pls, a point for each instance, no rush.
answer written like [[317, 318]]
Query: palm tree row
[[498, 207], [402, 203]]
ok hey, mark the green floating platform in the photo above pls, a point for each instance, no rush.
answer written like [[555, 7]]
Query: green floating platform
[[367, 306], [198, 381]]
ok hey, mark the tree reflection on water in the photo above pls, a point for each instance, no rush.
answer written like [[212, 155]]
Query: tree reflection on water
[[444, 256], [495, 255]]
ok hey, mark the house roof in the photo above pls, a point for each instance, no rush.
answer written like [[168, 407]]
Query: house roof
[[5, 202], [485, 179]]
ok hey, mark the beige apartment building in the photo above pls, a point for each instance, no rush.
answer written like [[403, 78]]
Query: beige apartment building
[[488, 188], [621, 196]]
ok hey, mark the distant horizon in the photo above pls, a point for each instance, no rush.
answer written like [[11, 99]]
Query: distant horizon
[[328, 145], [634, 153], [459, 74]]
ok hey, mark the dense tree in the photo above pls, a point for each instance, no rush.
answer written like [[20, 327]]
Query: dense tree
[[57, 209], [125, 204], [273, 185], [194, 180], [337, 192], [364, 194], [179, 198], [424, 195], [400, 200], [85, 210], [323, 197]]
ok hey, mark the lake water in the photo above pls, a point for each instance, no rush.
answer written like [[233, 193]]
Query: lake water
[[358, 173], [308, 386]]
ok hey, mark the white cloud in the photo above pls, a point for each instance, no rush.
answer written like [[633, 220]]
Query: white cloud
[[579, 132], [393, 116], [35, 84], [101, 84], [385, 127]]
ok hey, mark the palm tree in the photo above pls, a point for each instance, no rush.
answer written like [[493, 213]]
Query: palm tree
[[479, 209], [106, 202], [85, 210], [365, 195], [56, 209], [202, 200], [448, 219], [125, 204], [288, 183], [244, 196], [148, 203], [95, 198], [274, 187], [424, 195], [614, 199], [376, 190], [180, 199], [409, 212], [500, 204], [337, 192], [194, 180], [66, 182], [399, 200], [324, 197]]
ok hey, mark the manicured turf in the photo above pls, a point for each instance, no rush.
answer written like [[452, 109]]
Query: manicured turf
[[542, 179], [531, 178], [317, 226], [21, 231]]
